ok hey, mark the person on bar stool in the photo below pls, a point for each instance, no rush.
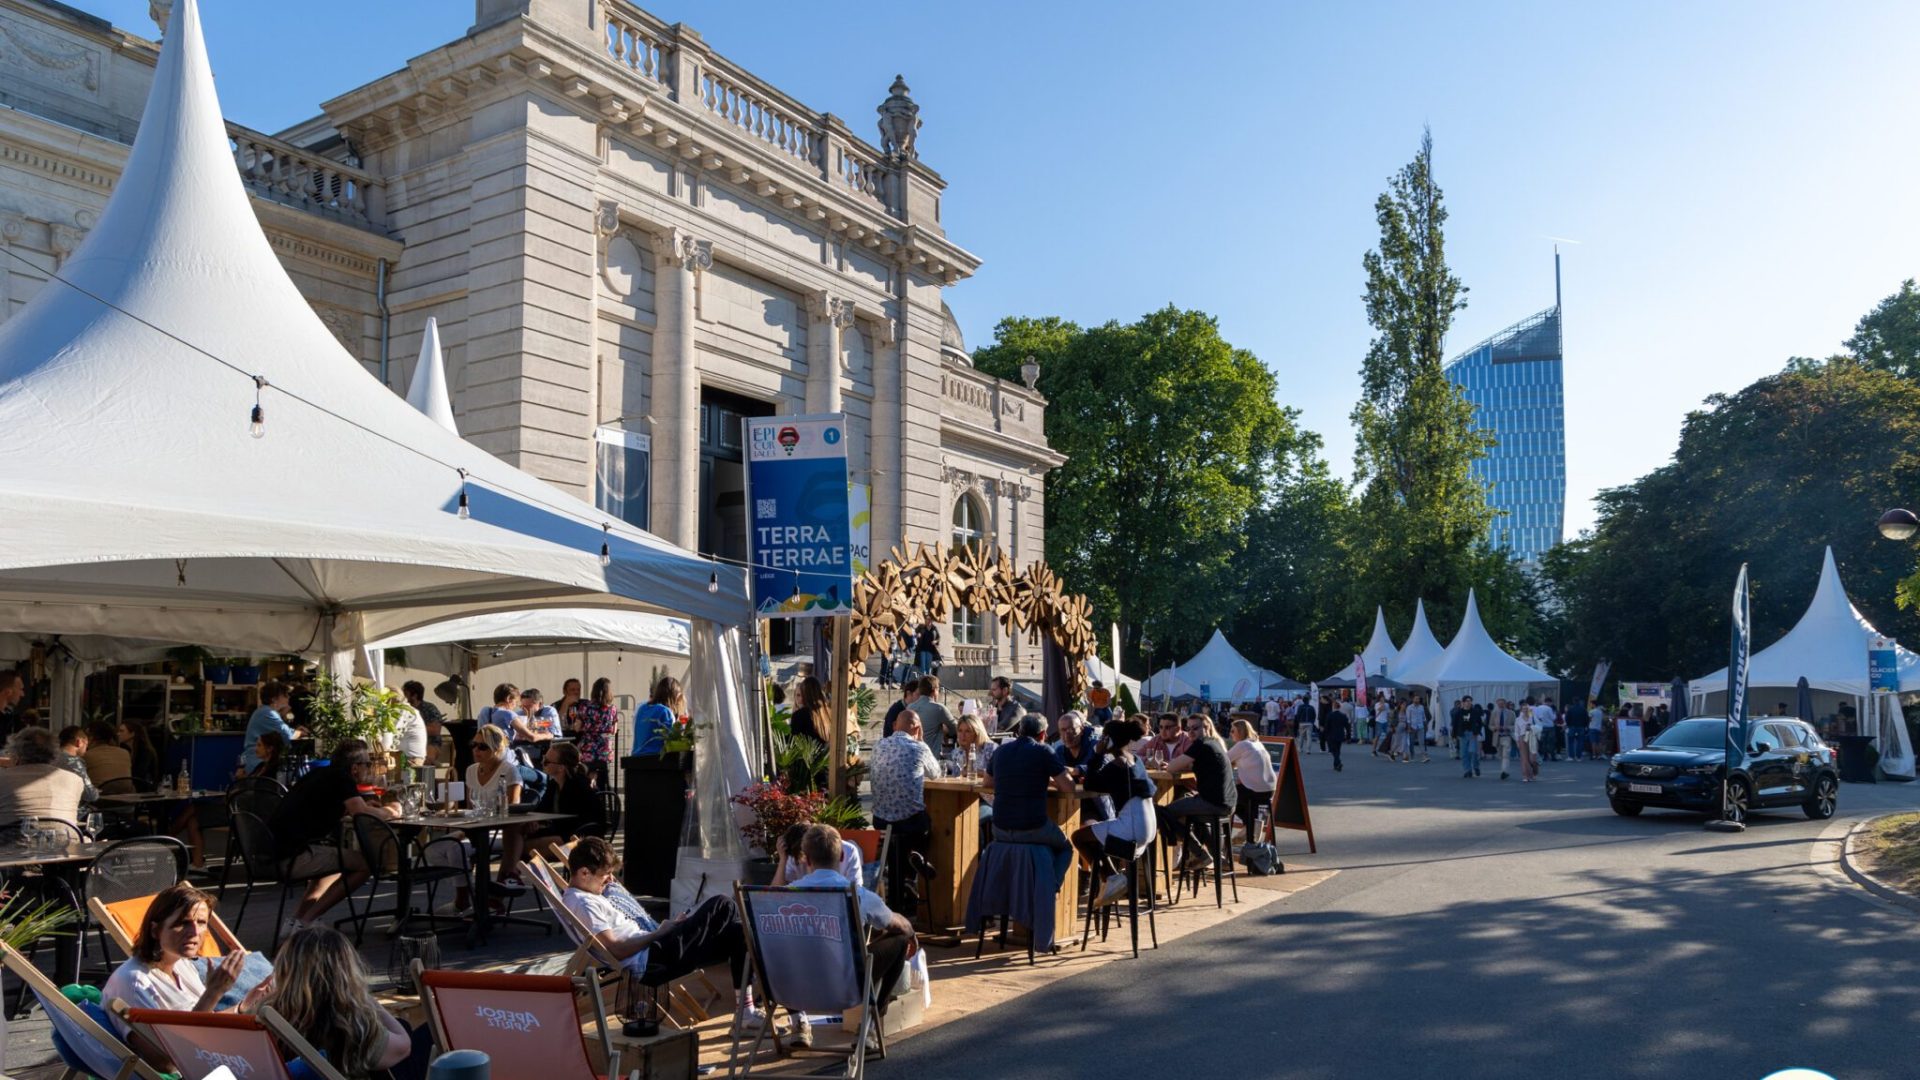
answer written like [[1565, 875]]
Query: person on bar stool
[[1019, 774], [1214, 791], [893, 942], [898, 772], [656, 953]]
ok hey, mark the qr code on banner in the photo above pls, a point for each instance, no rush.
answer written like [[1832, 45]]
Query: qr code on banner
[[764, 508]]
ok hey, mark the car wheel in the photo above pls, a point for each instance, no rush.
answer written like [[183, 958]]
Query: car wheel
[[1826, 796], [1627, 809], [1733, 805]]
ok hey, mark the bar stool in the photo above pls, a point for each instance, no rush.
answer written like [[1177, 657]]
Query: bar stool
[[1220, 846], [994, 895], [1123, 851]]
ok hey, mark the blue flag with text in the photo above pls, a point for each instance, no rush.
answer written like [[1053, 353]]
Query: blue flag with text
[[1737, 673]]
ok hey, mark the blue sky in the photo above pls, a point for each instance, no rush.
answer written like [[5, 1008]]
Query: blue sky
[[1740, 177]]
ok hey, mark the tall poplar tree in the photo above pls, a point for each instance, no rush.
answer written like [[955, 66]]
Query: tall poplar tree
[[1422, 515]]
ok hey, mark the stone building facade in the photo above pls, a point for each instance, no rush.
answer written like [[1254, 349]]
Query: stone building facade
[[629, 243]]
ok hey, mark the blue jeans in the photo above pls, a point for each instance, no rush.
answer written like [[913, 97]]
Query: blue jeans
[[1048, 836], [1469, 754], [1577, 743]]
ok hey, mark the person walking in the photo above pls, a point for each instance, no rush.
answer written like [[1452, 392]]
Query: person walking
[[1526, 736], [1417, 729], [1304, 720], [1500, 721], [1545, 719], [1467, 722], [1337, 730]]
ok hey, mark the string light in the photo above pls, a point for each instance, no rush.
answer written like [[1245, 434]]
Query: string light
[[257, 427], [463, 511], [606, 553], [713, 582]]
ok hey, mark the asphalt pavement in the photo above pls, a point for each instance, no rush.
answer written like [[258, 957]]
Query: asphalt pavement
[[1490, 929]]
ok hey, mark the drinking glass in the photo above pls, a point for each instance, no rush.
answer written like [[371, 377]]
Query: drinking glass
[[96, 823]]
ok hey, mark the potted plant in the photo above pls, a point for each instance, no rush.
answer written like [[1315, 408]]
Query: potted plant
[[244, 671], [775, 808], [337, 711], [23, 922]]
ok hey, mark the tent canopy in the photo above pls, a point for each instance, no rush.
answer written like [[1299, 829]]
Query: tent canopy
[[1111, 678], [1220, 669], [126, 388], [541, 632], [428, 390], [1420, 647], [1828, 646], [1380, 653], [1473, 664]]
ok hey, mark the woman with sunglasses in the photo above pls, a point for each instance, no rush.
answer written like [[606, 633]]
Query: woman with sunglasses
[[493, 785]]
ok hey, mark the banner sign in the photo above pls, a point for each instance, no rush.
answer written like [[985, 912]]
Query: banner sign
[[1599, 678], [800, 536], [1645, 692], [1737, 672], [860, 514], [1883, 668], [1360, 680]]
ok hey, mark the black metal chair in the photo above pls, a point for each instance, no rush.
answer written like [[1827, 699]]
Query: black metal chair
[[264, 867], [138, 867], [389, 857], [258, 798]]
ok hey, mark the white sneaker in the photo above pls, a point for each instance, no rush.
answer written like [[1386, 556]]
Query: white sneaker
[[749, 1020], [801, 1037], [1113, 890]]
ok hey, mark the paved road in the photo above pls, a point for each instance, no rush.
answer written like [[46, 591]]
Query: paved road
[[1489, 930]]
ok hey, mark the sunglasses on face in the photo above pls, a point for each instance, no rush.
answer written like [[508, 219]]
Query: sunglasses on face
[[482, 748]]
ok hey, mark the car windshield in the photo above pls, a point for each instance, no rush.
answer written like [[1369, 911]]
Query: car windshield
[[1703, 734]]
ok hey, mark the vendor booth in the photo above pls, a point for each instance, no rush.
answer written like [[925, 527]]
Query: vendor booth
[[1830, 647]]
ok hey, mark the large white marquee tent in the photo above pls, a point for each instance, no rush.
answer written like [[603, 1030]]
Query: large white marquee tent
[[1473, 665], [1419, 648], [1217, 669], [1828, 647], [1380, 654], [144, 510]]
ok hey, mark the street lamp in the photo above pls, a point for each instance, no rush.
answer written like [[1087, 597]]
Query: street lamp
[[1897, 524]]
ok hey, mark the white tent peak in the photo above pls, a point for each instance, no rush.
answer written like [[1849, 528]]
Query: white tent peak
[[428, 389], [1380, 647], [1473, 663], [1419, 648], [1218, 667]]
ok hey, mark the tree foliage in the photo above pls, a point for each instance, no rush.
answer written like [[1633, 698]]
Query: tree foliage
[[1888, 337], [1174, 440], [1768, 476]]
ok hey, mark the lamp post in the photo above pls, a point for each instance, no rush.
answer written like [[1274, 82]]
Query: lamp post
[[1898, 524]]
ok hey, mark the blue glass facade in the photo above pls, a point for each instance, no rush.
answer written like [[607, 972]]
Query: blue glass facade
[[1514, 381]]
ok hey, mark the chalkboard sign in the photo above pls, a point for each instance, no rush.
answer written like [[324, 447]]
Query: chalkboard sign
[[1289, 809]]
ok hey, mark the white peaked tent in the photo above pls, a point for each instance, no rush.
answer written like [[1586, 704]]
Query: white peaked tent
[[1828, 646], [1380, 653], [1472, 665], [1420, 647], [428, 389], [144, 510], [1218, 668]]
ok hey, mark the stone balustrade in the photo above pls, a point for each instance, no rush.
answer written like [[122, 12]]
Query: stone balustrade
[[654, 52], [996, 405], [286, 174]]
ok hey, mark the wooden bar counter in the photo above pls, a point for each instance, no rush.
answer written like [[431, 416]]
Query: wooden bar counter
[[954, 805]]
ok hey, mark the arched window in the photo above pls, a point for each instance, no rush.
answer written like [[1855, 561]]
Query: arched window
[[969, 530]]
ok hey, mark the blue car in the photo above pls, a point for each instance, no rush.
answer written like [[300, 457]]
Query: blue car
[[1682, 769]]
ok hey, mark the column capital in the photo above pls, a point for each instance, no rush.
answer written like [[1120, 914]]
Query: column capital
[[682, 247], [829, 308], [883, 331]]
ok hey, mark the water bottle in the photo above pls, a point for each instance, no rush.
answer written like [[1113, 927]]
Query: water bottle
[[185, 783]]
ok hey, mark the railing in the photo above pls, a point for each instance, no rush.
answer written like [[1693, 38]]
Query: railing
[[981, 399], [656, 54], [287, 174]]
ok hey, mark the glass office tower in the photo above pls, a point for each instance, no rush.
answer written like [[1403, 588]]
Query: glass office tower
[[1514, 381]]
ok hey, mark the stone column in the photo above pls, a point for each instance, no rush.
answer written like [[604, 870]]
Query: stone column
[[825, 356], [675, 395], [883, 455]]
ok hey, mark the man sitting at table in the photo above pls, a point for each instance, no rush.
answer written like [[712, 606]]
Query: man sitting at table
[[1171, 742], [899, 771], [73, 749], [1214, 792], [307, 823], [893, 941], [275, 703], [35, 786], [1019, 774], [656, 953]]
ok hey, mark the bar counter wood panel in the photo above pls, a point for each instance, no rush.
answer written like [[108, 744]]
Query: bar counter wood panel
[[954, 806]]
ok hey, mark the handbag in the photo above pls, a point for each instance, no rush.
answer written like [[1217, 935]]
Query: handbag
[[1261, 859]]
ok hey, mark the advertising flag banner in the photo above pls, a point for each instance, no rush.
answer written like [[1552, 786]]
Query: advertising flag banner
[[1599, 678], [1737, 673], [1883, 667], [860, 513], [1359, 680], [800, 533]]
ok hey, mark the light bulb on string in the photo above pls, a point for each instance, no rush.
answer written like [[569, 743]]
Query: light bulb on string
[[463, 510], [257, 422], [713, 582], [606, 553]]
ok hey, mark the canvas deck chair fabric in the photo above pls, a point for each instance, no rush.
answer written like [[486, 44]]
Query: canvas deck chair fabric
[[201, 1043], [92, 1046], [528, 1025], [121, 920], [809, 950]]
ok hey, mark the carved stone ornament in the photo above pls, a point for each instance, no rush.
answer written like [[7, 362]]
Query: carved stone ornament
[[160, 11], [675, 246], [343, 324], [13, 228], [832, 309], [606, 218], [65, 239], [899, 121], [65, 63]]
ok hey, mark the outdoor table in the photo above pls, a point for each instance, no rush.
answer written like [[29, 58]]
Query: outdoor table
[[153, 803], [479, 830], [64, 863], [954, 805]]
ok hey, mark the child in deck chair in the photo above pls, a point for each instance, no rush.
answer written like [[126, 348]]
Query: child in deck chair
[[656, 953]]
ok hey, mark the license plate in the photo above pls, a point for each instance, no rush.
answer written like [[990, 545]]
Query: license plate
[[1645, 789]]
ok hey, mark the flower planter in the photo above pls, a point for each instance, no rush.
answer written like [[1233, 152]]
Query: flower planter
[[217, 674]]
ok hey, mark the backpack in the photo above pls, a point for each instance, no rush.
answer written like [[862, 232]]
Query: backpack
[[1261, 858]]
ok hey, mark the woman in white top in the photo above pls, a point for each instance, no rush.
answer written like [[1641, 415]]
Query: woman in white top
[[493, 786], [1252, 774], [1417, 730], [164, 970], [1526, 736]]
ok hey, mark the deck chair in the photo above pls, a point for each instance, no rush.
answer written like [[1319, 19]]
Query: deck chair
[[90, 1047], [200, 1043], [809, 951], [121, 920], [527, 1025], [679, 1003]]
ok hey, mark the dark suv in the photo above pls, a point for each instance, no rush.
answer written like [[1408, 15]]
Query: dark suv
[[1787, 765]]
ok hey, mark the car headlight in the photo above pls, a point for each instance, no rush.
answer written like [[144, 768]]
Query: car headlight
[[1703, 770], [1614, 761]]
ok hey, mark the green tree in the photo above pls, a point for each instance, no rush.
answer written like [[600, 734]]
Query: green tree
[[1296, 573], [1888, 337], [1768, 476], [1422, 517], [1173, 438]]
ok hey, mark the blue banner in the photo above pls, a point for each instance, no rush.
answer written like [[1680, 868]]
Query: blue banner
[[800, 535], [1737, 673], [1883, 668]]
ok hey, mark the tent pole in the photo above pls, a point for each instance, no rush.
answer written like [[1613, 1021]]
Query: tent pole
[[837, 706]]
